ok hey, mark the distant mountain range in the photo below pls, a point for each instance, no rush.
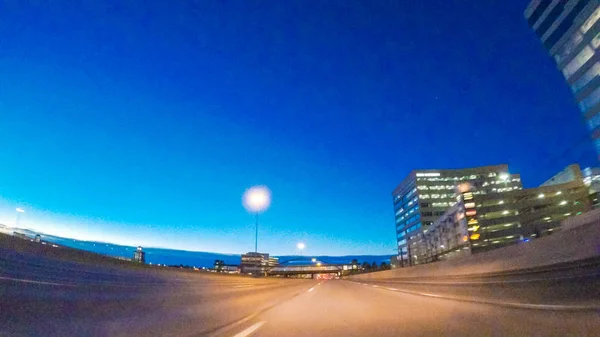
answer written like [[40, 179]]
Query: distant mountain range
[[183, 257]]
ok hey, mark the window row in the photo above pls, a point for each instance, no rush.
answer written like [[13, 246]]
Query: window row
[[586, 78], [410, 220], [591, 100], [567, 22], [437, 196], [407, 214], [594, 121]]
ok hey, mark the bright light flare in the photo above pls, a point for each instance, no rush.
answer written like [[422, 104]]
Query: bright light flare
[[20, 210], [301, 245], [257, 199]]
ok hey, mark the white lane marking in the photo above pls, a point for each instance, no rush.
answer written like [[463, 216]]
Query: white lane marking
[[311, 289], [392, 289], [374, 286], [245, 286], [37, 282], [250, 330]]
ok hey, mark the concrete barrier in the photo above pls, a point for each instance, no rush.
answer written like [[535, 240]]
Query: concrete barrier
[[570, 245]]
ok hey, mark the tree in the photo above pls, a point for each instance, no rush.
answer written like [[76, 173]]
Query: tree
[[374, 265], [366, 266], [384, 266]]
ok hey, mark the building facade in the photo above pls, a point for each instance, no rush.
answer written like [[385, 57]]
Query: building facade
[[139, 255], [570, 32], [590, 177], [425, 195], [484, 221], [257, 263]]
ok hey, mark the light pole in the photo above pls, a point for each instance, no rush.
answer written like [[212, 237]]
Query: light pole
[[256, 200], [19, 211]]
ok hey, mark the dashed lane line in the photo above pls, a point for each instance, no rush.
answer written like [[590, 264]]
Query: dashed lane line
[[250, 329]]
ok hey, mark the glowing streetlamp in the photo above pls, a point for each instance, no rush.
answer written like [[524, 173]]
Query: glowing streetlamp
[[314, 260], [256, 200], [300, 247], [19, 211]]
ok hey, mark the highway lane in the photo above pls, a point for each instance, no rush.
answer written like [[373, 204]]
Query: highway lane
[[343, 308], [43, 296]]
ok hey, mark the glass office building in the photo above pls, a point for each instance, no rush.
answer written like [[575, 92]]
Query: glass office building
[[425, 195], [480, 222], [570, 31]]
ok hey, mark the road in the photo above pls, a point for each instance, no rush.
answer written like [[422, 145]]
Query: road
[[43, 296]]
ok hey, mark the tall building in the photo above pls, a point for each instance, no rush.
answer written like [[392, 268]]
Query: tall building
[[590, 177], [425, 195], [139, 255], [570, 31], [482, 222]]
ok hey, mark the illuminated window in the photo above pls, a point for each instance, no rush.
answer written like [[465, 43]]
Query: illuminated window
[[581, 58], [590, 21], [568, 47], [589, 75]]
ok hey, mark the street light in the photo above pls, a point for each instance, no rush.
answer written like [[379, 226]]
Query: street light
[[256, 200], [314, 260], [300, 247], [19, 211]]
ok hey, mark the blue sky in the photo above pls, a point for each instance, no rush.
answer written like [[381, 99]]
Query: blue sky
[[144, 124]]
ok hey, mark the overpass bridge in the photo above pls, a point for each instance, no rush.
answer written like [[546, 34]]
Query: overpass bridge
[[308, 267], [303, 270]]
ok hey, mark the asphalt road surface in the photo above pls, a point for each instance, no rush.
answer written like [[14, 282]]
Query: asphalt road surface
[[42, 296]]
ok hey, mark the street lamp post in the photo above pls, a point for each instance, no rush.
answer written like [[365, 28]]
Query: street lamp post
[[19, 211], [256, 200], [256, 234]]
